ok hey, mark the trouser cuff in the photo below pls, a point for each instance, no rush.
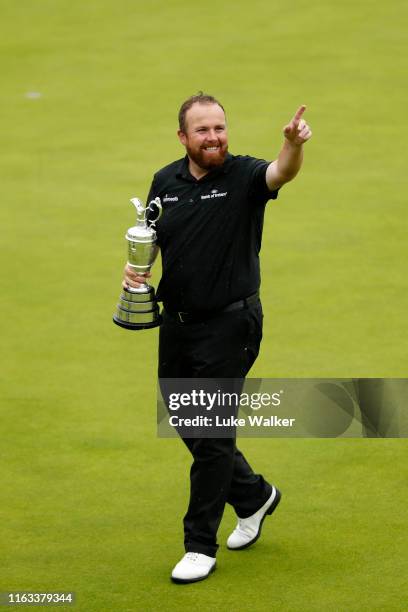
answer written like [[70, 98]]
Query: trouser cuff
[[210, 551]]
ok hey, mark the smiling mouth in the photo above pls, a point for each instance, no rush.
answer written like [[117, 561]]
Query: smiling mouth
[[211, 148]]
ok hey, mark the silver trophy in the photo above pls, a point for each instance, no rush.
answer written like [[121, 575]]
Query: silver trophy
[[137, 308]]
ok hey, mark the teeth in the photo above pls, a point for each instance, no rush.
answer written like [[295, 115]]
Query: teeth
[[211, 148]]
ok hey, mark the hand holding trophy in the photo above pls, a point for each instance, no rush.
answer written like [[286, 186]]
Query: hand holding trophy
[[137, 307]]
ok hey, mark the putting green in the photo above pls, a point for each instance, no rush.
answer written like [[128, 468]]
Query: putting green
[[93, 501]]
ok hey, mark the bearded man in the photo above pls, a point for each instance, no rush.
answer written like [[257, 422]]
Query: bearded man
[[210, 238]]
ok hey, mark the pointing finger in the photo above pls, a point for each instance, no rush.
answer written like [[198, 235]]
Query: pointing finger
[[299, 113]]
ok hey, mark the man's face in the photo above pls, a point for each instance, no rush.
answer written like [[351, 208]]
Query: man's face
[[206, 138]]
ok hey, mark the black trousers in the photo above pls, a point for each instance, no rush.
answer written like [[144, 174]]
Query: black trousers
[[224, 346]]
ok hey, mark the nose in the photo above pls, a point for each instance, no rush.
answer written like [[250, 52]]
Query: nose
[[212, 135]]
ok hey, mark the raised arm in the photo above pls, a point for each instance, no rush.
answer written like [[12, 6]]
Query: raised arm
[[289, 161]]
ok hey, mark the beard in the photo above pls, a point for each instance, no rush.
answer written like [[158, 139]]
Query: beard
[[205, 160]]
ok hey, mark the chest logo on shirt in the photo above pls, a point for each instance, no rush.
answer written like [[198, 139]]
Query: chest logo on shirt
[[168, 198], [214, 194]]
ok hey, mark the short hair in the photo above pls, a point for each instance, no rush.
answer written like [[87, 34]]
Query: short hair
[[201, 98]]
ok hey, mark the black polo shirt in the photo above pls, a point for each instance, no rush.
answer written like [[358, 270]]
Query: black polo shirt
[[210, 232]]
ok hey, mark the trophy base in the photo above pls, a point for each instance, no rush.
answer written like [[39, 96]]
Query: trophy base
[[136, 326], [137, 310]]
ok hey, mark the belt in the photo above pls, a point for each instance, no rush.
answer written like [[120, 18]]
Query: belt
[[198, 317]]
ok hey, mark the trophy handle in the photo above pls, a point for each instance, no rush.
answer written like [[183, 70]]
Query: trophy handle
[[156, 202]]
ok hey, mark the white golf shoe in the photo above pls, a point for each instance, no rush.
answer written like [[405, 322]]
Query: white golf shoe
[[193, 567], [248, 529]]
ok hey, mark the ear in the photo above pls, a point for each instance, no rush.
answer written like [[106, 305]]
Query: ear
[[182, 137]]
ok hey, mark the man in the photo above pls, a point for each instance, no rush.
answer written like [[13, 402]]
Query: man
[[210, 237]]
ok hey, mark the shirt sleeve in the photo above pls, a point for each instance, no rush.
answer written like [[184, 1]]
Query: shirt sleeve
[[258, 189]]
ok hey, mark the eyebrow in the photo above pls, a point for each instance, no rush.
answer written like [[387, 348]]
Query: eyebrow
[[218, 125]]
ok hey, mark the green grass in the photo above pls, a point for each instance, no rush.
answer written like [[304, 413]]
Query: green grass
[[93, 501]]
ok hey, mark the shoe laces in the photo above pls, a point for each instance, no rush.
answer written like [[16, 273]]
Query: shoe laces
[[192, 556]]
